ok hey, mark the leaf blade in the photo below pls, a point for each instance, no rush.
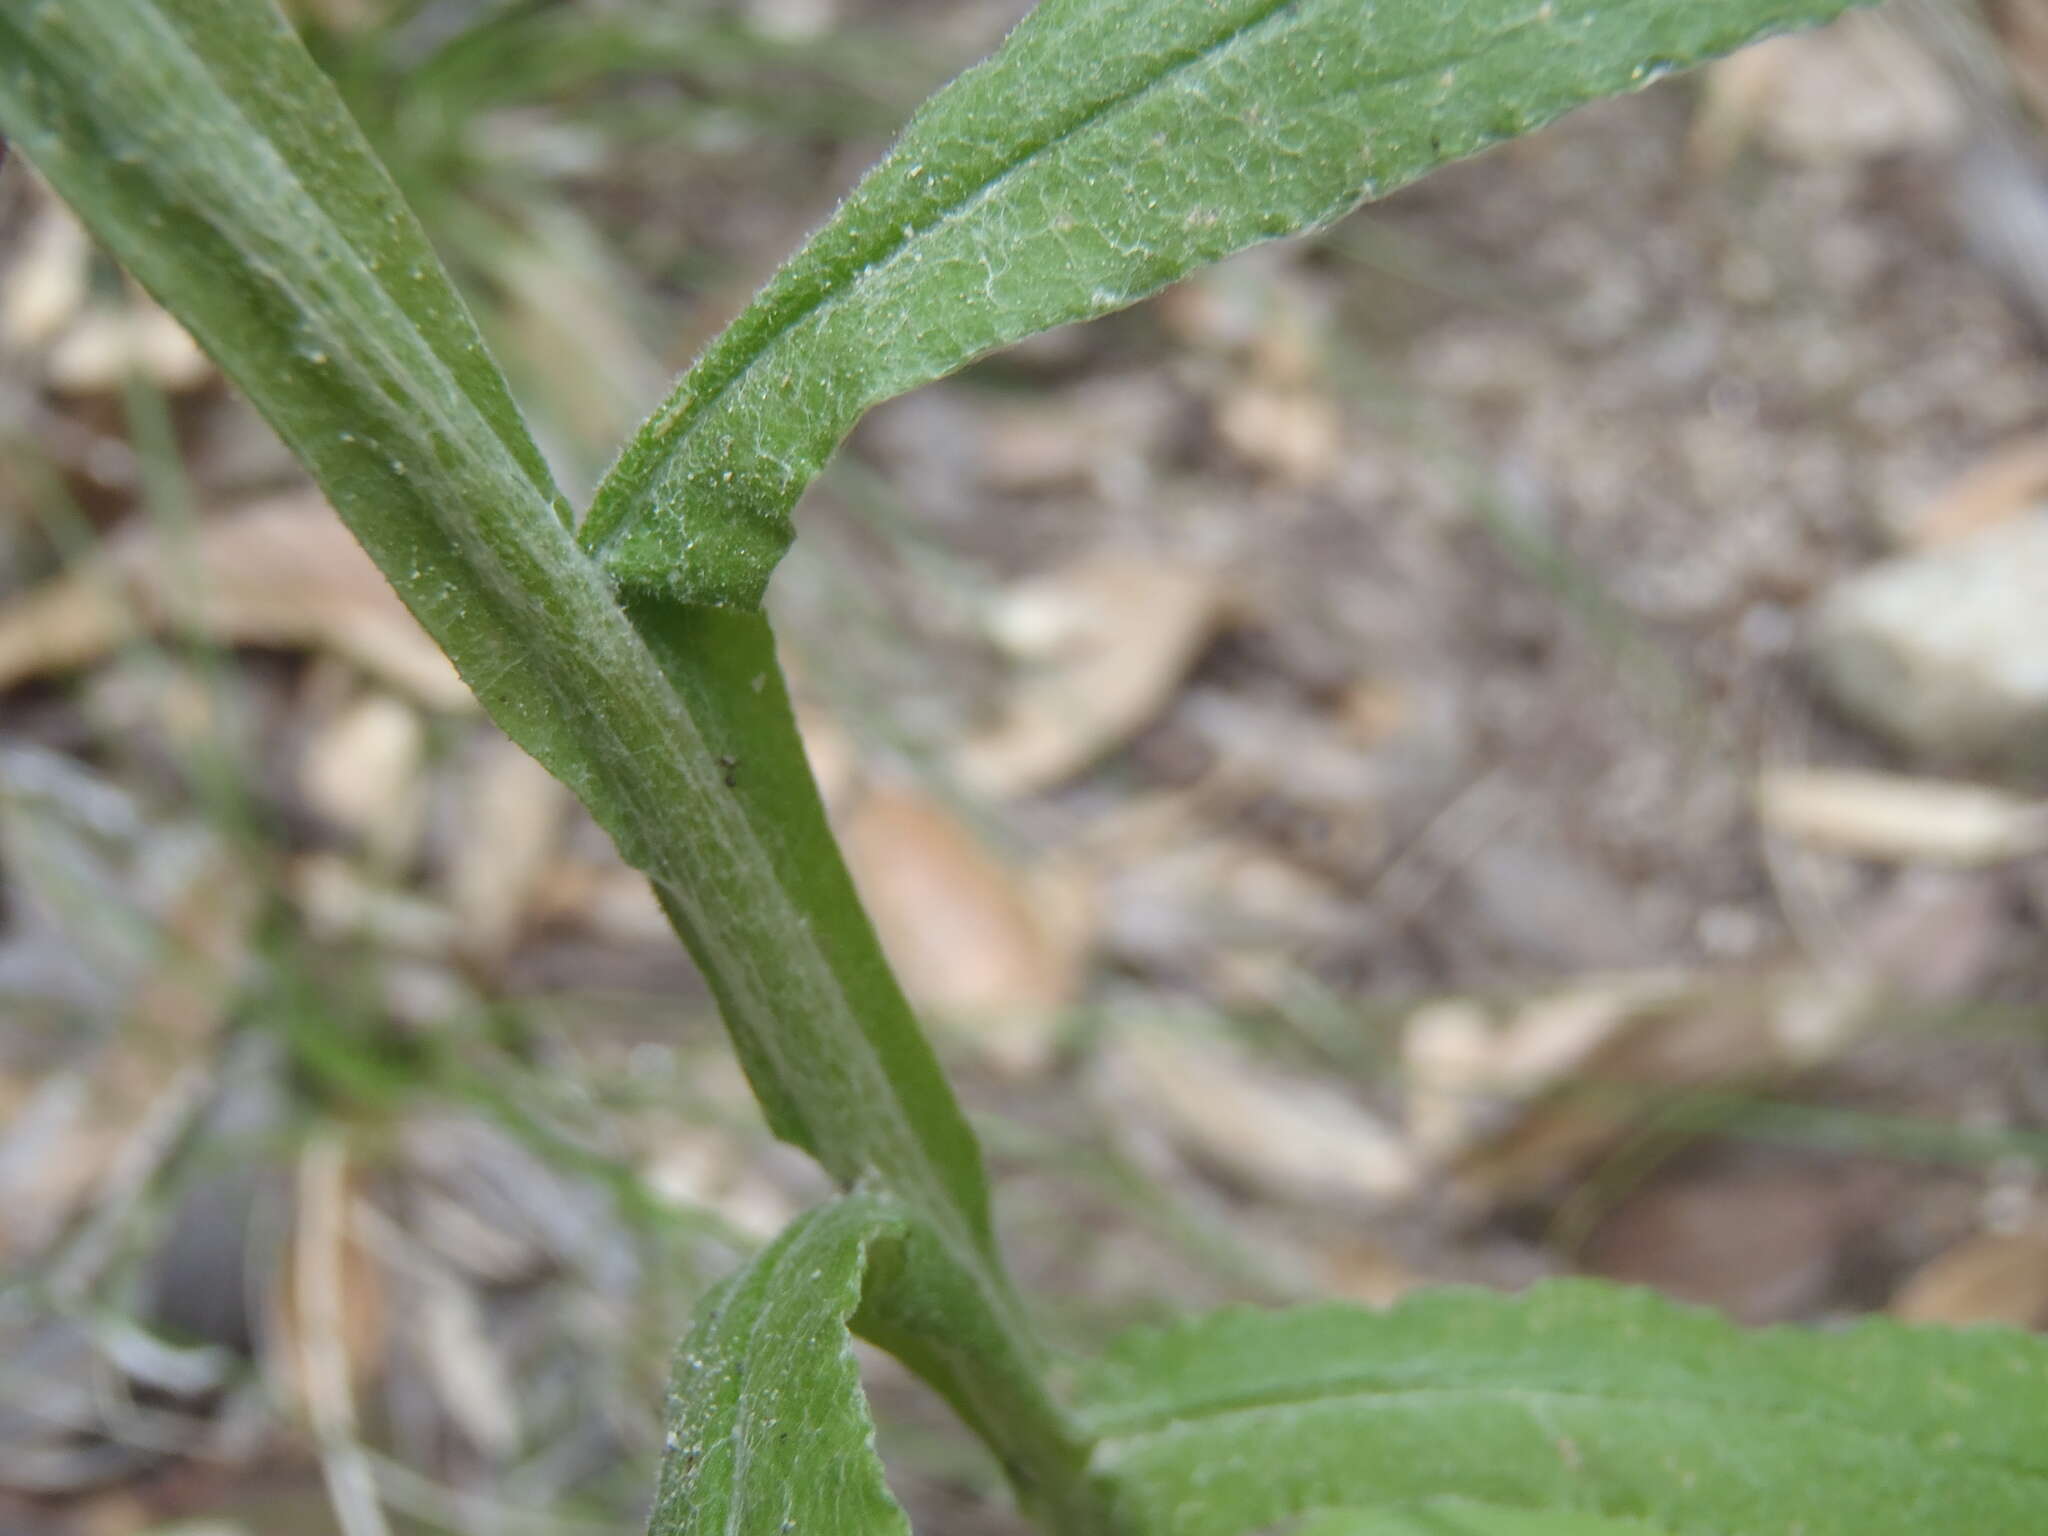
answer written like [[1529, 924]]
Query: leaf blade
[[1108, 148], [1579, 1397], [769, 1430]]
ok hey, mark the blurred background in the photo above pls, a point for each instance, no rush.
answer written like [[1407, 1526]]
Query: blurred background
[[1507, 738]]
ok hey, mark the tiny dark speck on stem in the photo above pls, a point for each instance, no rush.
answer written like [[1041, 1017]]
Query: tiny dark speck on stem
[[731, 773]]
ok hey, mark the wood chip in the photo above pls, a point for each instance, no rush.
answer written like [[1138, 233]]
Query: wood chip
[[1288, 1137], [511, 822], [1111, 640], [1898, 819], [283, 572], [361, 773], [974, 941], [46, 285], [2009, 483], [469, 1375], [1292, 434], [1989, 1278]]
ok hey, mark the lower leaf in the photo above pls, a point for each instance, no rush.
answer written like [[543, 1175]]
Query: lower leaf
[[769, 1433], [1574, 1397], [768, 1429]]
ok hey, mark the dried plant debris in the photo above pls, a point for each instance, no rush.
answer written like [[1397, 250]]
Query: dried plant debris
[[1992, 1277], [505, 842], [280, 573], [1903, 820], [1515, 1108], [977, 943], [2008, 483], [1282, 1135], [1101, 647], [74, 341], [1860, 90], [1764, 1245]]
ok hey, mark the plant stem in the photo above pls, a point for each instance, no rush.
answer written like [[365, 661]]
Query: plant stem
[[883, 1114]]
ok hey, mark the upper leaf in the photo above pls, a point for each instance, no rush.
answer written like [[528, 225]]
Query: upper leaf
[[768, 1430], [1576, 1397], [1110, 147]]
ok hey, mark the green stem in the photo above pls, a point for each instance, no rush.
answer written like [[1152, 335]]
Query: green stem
[[820, 1025], [841, 1067]]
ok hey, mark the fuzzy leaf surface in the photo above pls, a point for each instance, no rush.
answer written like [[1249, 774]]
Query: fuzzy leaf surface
[[769, 1431], [1575, 1397], [1110, 147]]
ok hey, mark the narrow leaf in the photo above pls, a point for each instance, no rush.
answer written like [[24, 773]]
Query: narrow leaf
[[1576, 1397], [768, 1429], [1110, 147]]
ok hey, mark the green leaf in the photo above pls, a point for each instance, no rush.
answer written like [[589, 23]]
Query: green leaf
[[1110, 147], [1575, 1397], [768, 1430], [1462, 1517]]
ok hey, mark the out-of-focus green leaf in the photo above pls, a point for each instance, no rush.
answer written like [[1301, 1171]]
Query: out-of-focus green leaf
[[1462, 1517], [1110, 147], [1575, 1397]]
